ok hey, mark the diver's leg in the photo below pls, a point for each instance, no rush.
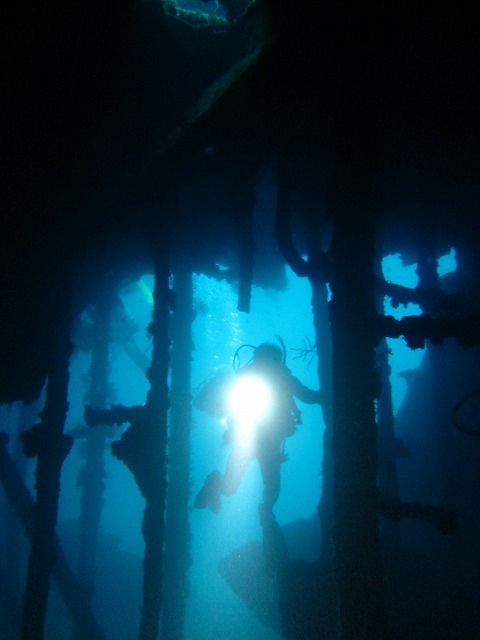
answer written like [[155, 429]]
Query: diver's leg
[[236, 467], [227, 484], [274, 547], [270, 462]]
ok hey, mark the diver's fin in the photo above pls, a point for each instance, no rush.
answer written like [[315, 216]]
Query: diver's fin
[[209, 494]]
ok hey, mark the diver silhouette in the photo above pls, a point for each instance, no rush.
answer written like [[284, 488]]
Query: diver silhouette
[[258, 427]]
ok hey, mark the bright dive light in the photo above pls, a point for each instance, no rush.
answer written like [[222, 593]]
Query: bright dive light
[[250, 401]]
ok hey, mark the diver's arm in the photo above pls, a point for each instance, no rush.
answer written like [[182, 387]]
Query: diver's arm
[[305, 394]]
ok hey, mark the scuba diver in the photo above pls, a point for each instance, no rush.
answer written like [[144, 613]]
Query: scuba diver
[[261, 414]]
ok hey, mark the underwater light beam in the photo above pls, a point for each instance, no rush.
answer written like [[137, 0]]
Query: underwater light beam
[[249, 403]]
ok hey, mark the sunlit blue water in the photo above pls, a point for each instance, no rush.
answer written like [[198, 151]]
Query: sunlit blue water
[[447, 263]]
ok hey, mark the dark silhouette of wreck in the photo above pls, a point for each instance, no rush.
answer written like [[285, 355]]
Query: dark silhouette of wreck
[[114, 114]]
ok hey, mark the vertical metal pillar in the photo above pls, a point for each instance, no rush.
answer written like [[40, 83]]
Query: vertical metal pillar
[[50, 445], [358, 563], [153, 442], [177, 532]]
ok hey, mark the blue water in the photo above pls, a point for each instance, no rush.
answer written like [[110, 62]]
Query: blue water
[[218, 333]]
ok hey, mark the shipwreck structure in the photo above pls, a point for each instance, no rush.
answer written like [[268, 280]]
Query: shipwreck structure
[[135, 135]]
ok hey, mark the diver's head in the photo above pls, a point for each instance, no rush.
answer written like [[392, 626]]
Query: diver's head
[[267, 352]]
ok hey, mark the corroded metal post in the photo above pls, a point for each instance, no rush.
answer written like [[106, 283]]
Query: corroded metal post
[[177, 533], [156, 409], [50, 445], [72, 591], [143, 446], [358, 563]]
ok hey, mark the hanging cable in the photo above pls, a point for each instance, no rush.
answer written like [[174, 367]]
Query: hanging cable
[[458, 406]]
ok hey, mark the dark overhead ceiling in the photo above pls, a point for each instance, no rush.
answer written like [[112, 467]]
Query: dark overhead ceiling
[[93, 90]]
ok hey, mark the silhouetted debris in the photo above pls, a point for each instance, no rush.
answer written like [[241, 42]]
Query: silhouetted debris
[[395, 509], [76, 595]]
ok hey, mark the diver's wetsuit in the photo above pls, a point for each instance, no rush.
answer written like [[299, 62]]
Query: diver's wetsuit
[[269, 436]]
